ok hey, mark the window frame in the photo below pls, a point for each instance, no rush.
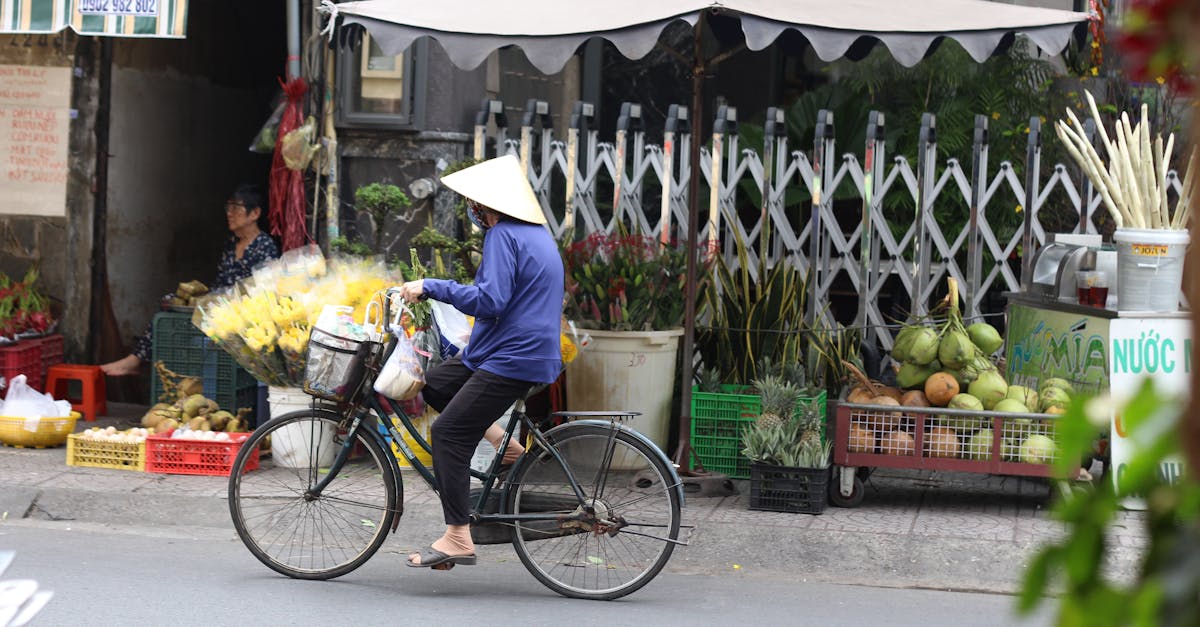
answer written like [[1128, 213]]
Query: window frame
[[349, 67]]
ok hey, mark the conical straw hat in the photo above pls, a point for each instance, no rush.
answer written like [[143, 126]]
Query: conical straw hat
[[498, 184]]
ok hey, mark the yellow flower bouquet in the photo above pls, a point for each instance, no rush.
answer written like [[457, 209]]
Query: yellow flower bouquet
[[265, 321]]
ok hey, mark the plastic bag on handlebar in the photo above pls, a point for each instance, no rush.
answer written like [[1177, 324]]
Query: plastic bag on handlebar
[[402, 375]]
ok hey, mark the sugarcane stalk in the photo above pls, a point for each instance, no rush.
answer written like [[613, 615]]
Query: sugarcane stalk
[[1166, 164], [1098, 176], [1108, 144], [1080, 137], [1184, 208]]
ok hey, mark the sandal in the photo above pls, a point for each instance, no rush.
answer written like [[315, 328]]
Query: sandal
[[434, 558]]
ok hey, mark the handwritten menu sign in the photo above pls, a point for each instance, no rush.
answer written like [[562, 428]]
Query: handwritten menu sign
[[34, 131]]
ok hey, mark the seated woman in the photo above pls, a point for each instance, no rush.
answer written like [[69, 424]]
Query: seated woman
[[248, 247]]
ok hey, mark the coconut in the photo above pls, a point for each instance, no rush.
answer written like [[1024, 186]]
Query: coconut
[[940, 387], [985, 336], [887, 420], [914, 398], [860, 395], [989, 388], [166, 425], [897, 443], [895, 393], [1038, 449], [903, 345], [1027, 396], [924, 347], [911, 375], [955, 350], [862, 439], [1057, 382], [1054, 397], [941, 442], [979, 446], [965, 424], [1010, 406], [192, 406]]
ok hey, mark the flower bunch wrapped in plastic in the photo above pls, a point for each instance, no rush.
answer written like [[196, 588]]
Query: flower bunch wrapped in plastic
[[265, 321]]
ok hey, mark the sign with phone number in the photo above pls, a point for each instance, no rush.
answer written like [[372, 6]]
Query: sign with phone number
[[140, 8]]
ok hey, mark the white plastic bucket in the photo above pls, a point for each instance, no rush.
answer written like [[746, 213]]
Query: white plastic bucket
[[297, 445], [1149, 268], [628, 371]]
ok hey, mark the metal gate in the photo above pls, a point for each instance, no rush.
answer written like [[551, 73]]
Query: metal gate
[[586, 185]]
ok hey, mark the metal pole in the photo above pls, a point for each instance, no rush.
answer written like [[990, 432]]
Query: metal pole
[[675, 115], [979, 157], [824, 129], [775, 128], [925, 146], [683, 454], [866, 237], [1033, 159]]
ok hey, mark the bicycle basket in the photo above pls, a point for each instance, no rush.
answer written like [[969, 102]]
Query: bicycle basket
[[337, 365]]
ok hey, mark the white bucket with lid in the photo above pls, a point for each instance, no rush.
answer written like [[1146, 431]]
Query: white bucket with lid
[[1149, 268], [299, 445]]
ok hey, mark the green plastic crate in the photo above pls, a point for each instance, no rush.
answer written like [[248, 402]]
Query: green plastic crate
[[718, 419], [186, 351]]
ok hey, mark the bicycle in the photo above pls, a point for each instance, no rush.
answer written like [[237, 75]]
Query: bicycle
[[592, 507]]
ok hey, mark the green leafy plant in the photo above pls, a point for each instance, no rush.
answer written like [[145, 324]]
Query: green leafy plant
[[1164, 590], [752, 312], [380, 201], [619, 282], [782, 444], [455, 257]]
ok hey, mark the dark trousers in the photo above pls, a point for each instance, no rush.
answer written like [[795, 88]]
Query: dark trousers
[[468, 401]]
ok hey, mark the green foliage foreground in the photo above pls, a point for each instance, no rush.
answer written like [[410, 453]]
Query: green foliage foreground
[[1166, 590]]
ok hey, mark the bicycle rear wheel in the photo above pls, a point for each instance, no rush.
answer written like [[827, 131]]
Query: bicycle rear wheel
[[636, 504], [295, 532]]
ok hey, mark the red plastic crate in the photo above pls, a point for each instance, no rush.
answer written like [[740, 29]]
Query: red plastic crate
[[52, 351], [182, 456], [24, 357]]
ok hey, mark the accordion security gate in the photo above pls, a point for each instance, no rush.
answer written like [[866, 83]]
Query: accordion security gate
[[586, 186]]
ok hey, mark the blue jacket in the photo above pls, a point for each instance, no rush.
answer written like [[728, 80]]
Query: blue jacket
[[517, 303]]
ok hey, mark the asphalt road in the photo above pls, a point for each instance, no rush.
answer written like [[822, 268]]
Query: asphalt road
[[104, 575]]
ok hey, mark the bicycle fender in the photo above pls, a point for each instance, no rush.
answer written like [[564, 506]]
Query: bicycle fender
[[645, 440]]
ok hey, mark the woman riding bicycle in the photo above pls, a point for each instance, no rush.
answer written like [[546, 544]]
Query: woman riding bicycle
[[517, 304]]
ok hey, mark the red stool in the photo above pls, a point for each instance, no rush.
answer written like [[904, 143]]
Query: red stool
[[93, 400]]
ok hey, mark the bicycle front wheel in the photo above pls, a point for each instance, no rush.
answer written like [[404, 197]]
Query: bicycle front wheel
[[636, 513], [294, 530]]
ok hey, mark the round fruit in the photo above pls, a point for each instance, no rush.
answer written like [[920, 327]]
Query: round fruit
[[924, 346], [862, 439], [887, 420], [1038, 449], [897, 443], [1010, 406], [940, 387], [989, 388], [985, 336], [979, 447], [955, 350], [1027, 396], [914, 398], [942, 442]]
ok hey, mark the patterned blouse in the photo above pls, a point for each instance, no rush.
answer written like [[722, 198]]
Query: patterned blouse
[[231, 269]]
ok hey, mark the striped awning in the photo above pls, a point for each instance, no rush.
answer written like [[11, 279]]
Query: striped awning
[[114, 18]]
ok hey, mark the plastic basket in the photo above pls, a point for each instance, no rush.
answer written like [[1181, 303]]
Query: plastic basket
[[186, 351], [336, 365], [24, 357], [51, 347], [36, 432], [784, 489], [184, 456], [718, 421], [83, 451]]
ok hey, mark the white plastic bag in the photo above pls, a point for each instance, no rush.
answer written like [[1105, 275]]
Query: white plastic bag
[[401, 376], [454, 330], [23, 401]]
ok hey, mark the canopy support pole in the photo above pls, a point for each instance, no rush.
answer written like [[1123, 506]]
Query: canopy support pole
[[683, 454]]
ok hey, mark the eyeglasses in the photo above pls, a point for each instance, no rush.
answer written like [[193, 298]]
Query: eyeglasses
[[234, 207]]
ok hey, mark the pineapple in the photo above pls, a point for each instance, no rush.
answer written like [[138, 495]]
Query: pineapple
[[810, 423], [778, 400]]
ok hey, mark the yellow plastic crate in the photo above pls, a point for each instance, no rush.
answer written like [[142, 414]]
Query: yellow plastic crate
[[83, 451], [16, 431]]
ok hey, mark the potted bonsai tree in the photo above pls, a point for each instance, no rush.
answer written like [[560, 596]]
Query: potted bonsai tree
[[626, 290], [789, 463]]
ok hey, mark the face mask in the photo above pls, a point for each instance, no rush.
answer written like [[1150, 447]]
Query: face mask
[[475, 215]]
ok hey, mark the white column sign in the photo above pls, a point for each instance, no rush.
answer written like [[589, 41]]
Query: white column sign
[[1158, 348], [35, 122]]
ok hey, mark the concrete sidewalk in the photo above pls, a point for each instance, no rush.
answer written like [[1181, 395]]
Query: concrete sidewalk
[[914, 529]]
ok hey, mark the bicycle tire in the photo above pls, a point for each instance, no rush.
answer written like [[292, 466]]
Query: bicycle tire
[[635, 485], [313, 538]]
